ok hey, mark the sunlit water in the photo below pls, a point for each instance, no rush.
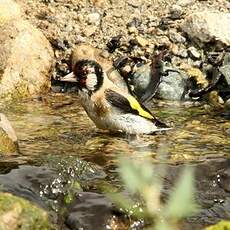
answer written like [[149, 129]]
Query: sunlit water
[[47, 127]]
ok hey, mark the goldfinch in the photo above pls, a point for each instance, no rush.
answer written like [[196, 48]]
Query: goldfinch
[[108, 106]]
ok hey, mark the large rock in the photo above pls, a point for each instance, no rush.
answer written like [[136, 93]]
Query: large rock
[[26, 56], [173, 86], [17, 213], [207, 27], [8, 138]]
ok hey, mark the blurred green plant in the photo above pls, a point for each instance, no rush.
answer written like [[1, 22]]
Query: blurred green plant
[[141, 180]]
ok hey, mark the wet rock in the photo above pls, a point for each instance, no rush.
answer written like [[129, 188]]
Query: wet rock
[[89, 211], [17, 213], [194, 53], [8, 138], [173, 86], [26, 56], [175, 12], [208, 27]]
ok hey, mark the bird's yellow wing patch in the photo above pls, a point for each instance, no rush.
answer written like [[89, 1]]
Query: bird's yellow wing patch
[[136, 106], [127, 104]]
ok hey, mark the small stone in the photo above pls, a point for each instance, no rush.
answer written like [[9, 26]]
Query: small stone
[[175, 12], [227, 104], [176, 37], [94, 18], [133, 30], [225, 70], [89, 30], [182, 53], [141, 41], [194, 53], [164, 41], [185, 2], [174, 49]]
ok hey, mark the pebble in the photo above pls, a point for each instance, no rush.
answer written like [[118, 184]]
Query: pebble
[[94, 18], [194, 53], [175, 12], [185, 2], [176, 37], [133, 30], [164, 41], [182, 53], [89, 30], [227, 104], [141, 41]]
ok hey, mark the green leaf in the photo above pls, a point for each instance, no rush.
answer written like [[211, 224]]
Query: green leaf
[[181, 202], [127, 205], [136, 175]]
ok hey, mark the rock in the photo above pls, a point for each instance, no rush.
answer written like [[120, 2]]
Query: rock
[[176, 37], [94, 18], [225, 70], [17, 213], [89, 30], [207, 27], [175, 12], [8, 138], [9, 10], [182, 52], [173, 86], [194, 53], [185, 2], [227, 104], [26, 56], [141, 41], [133, 30], [89, 211]]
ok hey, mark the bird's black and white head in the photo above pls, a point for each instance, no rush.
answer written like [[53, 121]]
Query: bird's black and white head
[[89, 75]]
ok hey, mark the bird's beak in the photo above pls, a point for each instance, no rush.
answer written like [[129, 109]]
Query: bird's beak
[[69, 78]]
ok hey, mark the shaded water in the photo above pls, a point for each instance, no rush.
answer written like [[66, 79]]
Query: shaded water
[[57, 126]]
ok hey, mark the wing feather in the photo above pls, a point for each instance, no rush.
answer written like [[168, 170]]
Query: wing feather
[[128, 105]]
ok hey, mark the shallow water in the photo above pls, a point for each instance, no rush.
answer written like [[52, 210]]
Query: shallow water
[[57, 126]]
